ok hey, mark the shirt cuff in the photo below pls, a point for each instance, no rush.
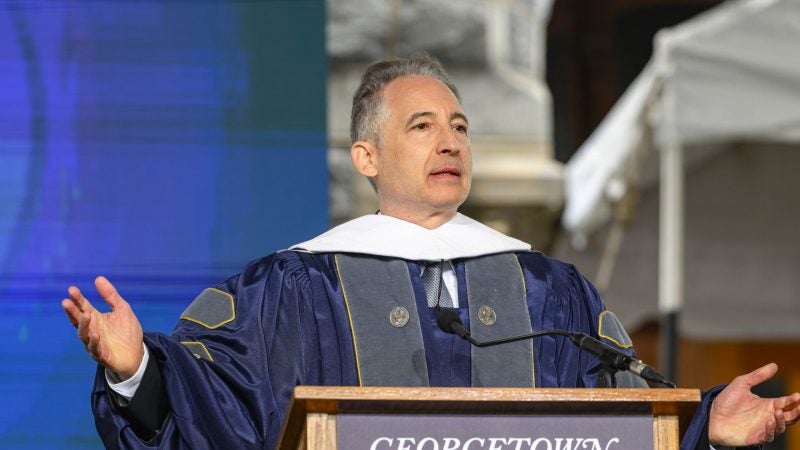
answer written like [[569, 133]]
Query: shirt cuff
[[126, 389]]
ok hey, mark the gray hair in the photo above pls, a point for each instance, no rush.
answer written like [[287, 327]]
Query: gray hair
[[368, 110]]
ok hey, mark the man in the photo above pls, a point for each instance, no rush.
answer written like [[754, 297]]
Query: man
[[357, 305]]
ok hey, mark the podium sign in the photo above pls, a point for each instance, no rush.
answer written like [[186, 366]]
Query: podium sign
[[458, 432], [402, 418]]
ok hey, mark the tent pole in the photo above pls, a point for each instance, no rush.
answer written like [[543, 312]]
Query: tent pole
[[670, 288]]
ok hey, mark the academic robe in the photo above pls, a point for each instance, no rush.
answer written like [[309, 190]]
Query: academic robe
[[291, 328]]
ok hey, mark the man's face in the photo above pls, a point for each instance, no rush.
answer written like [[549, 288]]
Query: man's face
[[424, 163]]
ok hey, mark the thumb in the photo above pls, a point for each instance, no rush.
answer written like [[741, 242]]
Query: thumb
[[108, 292], [760, 375]]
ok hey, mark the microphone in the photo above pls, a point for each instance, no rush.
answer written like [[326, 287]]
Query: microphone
[[450, 322]]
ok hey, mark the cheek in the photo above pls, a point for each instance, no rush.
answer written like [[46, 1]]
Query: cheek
[[468, 165]]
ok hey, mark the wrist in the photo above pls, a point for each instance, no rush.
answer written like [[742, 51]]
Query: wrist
[[129, 370], [127, 388]]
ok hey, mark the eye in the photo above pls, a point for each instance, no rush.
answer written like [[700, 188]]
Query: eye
[[460, 128], [421, 126]]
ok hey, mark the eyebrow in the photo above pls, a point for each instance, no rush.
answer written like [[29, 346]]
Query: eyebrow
[[417, 115]]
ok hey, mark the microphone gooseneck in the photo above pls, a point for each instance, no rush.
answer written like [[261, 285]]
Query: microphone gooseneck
[[450, 322]]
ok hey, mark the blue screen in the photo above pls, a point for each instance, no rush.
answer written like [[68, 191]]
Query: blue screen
[[161, 144]]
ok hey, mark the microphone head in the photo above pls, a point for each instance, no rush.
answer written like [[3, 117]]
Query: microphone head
[[445, 318]]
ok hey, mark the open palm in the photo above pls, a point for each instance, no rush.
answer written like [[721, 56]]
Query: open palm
[[114, 338], [740, 418]]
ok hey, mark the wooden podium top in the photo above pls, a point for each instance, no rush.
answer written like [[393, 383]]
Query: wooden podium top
[[344, 399], [493, 401]]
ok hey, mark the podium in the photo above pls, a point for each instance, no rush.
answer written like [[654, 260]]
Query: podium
[[400, 418]]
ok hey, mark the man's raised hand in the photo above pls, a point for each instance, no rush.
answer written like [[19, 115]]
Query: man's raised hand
[[741, 418], [113, 339]]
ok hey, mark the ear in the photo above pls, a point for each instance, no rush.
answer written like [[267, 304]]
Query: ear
[[364, 155]]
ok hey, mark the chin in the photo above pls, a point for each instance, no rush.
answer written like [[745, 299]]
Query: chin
[[449, 204]]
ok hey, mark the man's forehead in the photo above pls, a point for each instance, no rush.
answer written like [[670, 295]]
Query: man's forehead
[[419, 96], [416, 87]]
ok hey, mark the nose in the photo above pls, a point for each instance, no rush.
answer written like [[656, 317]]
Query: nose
[[453, 141]]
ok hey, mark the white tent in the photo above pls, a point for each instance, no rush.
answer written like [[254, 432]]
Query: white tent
[[731, 74]]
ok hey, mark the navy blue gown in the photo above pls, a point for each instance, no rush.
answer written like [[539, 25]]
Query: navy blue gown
[[291, 328]]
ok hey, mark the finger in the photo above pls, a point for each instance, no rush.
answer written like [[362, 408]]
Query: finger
[[108, 292], [94, 346], [79, 300], [760, 375], [791, 402], [769, 430], [84, 327], [791, 409], [73, 314], [780, 423]]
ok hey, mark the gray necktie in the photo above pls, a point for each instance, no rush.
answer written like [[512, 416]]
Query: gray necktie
[[435, 290]]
